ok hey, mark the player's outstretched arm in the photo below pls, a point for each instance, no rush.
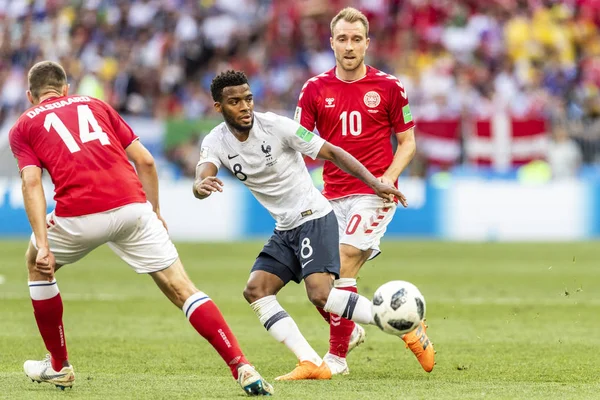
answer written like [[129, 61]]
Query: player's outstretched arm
[[347, 163], [206, 181]]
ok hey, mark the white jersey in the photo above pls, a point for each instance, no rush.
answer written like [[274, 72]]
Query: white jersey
[[269, 163]]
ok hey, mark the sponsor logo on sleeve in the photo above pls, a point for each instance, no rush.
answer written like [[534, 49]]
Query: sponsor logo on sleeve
[[406, 114], [298, 114], [304, 134], [203, 153]]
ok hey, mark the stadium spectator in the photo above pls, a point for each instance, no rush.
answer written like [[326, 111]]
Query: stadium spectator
[[157, 58]]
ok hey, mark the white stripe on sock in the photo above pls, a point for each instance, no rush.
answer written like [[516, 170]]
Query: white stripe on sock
[[193, 302], [43, 290]]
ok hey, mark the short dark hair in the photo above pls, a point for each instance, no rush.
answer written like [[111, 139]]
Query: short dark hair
[[226, 79], [45, 76]]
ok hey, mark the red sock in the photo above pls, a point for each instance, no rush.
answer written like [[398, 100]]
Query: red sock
[[340, 330], [209, 322], [48, 315], [324, 314]]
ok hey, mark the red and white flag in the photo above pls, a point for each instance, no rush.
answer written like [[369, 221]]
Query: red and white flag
[[503, 142], [439, 141]]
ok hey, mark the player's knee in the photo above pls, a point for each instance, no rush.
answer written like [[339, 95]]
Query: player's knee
[[252, 293], [318, 295], [350, 255], [256, 291], [261, 284], [349, 251]]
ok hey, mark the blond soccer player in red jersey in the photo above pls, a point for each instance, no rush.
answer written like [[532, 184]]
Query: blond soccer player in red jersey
[[85, 147], [358, 108]]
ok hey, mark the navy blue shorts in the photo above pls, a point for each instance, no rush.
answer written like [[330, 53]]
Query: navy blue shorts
[[295, 254]]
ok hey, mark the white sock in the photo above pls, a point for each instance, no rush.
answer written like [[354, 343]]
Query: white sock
[[350, 306], [43, 290], [283, 328], [193, 302], [344, 282]]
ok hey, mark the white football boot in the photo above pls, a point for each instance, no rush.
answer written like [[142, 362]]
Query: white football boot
[[338, 365], [42, 371], [252, 382], [357, 337]]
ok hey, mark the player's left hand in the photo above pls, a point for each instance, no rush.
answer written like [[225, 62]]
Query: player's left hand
[[386, 190], [45, 262]]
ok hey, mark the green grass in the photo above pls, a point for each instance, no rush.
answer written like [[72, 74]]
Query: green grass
[[508, 321]]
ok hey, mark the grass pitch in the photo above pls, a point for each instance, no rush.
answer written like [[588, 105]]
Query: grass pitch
[[508, 321]]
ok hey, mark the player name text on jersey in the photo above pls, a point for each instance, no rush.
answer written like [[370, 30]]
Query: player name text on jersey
[[58, 104]]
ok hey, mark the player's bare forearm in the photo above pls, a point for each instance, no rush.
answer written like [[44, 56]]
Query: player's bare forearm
[[149, 178], [405, 152], [146, 170], [347, 163], [35, 204], [206, 181]]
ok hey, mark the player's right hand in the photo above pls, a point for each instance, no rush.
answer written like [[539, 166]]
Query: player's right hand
[[207, 186], [388, 192], [45, 262]]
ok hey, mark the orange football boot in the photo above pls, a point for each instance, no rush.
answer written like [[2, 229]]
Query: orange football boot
[[418, 342], [307, 370]]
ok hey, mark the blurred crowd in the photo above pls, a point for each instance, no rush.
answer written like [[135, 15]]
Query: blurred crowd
[[469, 58]]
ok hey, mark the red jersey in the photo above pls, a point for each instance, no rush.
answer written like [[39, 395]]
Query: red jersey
[[81, 142], [358, 116]]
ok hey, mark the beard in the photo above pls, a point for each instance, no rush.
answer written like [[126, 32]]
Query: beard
[[230, 120]]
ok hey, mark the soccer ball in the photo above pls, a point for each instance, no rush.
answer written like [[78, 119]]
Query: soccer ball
[[398, 307]]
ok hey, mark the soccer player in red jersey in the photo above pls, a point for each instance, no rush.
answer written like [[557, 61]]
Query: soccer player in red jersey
[[85, 147], [358, 108]]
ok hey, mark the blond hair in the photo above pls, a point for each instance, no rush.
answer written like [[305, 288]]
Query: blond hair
[[350, 14], [46, 76]]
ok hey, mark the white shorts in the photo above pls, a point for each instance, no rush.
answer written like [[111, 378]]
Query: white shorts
[[362, 220], [133, 232]]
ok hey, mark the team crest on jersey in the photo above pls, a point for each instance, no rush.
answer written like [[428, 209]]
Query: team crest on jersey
[[266, 149], [372, 99], [329, 101]]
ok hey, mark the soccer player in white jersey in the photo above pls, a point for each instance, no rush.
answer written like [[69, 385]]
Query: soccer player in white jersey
[[264, 151], [358, 108]]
